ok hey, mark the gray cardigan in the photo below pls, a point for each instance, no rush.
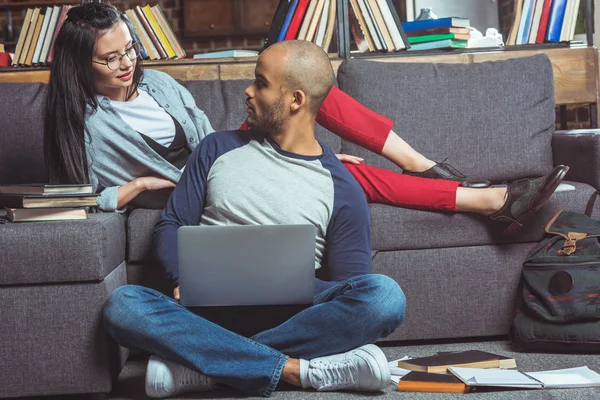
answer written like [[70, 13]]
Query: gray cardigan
[[117, 154]]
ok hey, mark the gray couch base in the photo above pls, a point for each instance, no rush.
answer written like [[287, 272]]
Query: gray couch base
[[52, 340]]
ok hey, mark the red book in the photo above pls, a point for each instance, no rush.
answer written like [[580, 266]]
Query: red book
[[297, 20], [59, 24], [541, 33], [150, 32]]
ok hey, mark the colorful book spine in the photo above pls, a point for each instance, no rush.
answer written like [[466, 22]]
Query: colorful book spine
[[42, 36], [541, 33], [158, 32], [557, 16], [50, 34], [61, 20], [292, 32], [161, 51], [166, 27], [435, 23], [22, 37], [288, 21]]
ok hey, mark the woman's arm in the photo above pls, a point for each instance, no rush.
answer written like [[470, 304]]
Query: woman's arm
[[129, 191]]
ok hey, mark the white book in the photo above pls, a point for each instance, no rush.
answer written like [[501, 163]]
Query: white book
[[227, 54], [312, 5], [535, 25], [391, 24], [320, 35], [564, 30], [571, 34], [554, 379], [49, 34], [43, 32], [370, 24]]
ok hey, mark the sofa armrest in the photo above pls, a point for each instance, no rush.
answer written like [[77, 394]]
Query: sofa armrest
[[579, 149]]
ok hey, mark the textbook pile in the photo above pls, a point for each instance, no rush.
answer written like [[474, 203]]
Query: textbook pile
[[467, 371], [41, 202], [442, 33], [541, 21]]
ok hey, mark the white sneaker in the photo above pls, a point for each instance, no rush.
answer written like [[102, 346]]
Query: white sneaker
[[364, 369], [166, 378]]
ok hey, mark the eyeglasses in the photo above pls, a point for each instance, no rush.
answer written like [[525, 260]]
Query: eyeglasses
[[113, 62]]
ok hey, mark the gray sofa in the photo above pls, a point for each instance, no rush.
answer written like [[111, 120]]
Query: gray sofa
[[493, 120]]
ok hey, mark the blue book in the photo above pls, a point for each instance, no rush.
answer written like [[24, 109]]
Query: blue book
[[458, 22], [287, 21], [557, 17], [526, 22]]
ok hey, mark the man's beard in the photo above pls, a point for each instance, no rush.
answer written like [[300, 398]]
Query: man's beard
[[271, 122]]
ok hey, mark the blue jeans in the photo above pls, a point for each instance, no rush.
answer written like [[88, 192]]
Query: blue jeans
[[353, 313]]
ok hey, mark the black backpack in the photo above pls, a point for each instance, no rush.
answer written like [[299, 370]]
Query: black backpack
[[558, 300]]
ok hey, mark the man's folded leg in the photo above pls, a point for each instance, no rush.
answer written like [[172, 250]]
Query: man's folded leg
[[142, 318]]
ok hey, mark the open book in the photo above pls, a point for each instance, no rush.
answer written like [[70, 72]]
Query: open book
[[561, 378]]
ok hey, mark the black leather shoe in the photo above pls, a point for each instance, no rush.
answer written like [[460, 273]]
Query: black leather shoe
[[447, 172], [526, 196]]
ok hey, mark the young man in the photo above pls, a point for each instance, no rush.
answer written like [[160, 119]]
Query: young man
[[276, 173]]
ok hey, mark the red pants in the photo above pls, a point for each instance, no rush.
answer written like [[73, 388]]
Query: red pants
[[350, 120]]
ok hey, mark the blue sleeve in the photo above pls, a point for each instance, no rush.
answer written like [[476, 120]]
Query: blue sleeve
[[187, 201], [348, 234]]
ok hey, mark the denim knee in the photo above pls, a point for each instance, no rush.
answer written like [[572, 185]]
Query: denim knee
[[389, 303], [119, 307]]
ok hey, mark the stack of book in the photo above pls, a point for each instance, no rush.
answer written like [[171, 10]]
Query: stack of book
[[442, 33], [39, 30], [375, 25], [41, 202], [156, 36], [41, 26], [543, 21]]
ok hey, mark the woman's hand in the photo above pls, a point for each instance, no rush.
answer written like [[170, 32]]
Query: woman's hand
[[154, 183], [349, 159]]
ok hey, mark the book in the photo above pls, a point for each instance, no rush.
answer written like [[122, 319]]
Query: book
[[29, 38], [541, 33], [166, 27], [292, 32], [42, 36], [355, 11], [36, 36], [312, 28], [429, 38], [45, 214], [370, 24], [514, 30], [330, 30], [42, 188], [537, 19], [381, 25], [571, 35], [378, 31], [566, 26], [42, 201], [61, 20], [416, 381], [557, 14], [153, 38], [158, 32], [525, 24], [471, 358], [227, 54], [287, 21], [393, 24], [553, 379], [458, 22], [440, 44], [22, 37], [440, 31], [49, 34], [310, 11], [142, 35], [277, 22], [323, 20]]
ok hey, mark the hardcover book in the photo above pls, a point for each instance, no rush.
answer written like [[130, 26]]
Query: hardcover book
[[41, 201], [434, 383], [43, 188], [436, 23], [470, 358], [45, 214]]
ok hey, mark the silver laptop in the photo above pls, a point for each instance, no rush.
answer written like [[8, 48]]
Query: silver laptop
[[246, 265]]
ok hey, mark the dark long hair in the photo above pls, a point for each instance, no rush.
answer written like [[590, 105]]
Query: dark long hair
[[71, 89]]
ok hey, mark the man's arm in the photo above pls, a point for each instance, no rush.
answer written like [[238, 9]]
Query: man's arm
[[184, 207], [348, 243]]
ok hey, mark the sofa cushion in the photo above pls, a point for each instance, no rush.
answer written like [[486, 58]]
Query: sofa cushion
[[394, 228], [492, 120], [21, 156], [140, 225], [67, 251], [223, 103]]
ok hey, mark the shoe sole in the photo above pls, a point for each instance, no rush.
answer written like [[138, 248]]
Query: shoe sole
[[381, 360], [518, 223]]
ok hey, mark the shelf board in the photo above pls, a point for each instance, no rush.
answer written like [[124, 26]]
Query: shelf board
[[37, 3]]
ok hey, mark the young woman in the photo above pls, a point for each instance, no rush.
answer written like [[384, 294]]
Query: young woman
[[128, 131]]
